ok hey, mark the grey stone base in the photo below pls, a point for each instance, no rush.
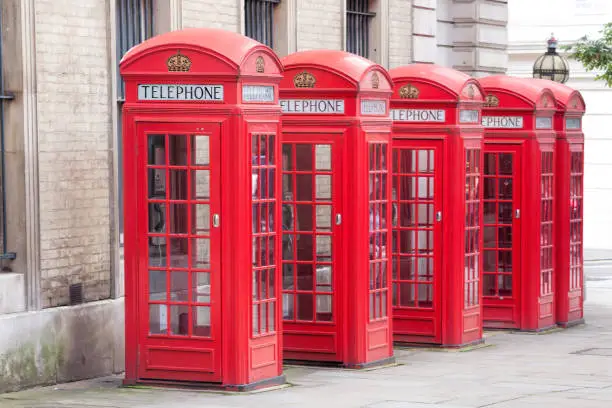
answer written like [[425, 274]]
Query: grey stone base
[[61, 344]]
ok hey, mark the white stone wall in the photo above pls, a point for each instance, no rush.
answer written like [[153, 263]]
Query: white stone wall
[[74, 131], [320, 24], [530, 25], [400, 33], [211, 13]]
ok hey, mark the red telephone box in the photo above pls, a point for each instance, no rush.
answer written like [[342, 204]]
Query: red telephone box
[[436, 193], [518, 251], [569, 189], [200, 133], [335, 138]]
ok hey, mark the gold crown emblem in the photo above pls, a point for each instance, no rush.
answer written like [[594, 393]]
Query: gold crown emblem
[[375, 81], [304, 80], [491, 101], [574, 104], [409, 91], [545, 101], [179, 63], [259, 64]]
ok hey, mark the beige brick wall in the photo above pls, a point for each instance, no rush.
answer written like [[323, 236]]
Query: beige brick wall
[[211, 13], [319, 24], [400, 33], [74, 130]]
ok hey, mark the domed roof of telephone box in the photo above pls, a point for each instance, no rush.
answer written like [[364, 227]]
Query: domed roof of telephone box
[[448, 78]]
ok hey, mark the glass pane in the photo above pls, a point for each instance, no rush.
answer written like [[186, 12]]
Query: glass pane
[[178, 253], [505, 213], [200, 150], [407, 215], [157, 285], [303, 187], [505, 163], [324, 308], [178, 184], [263, 187], [425, 214], [157, 218], [425, 295], [323, 157], [200, 184], [179, 320], [407, 161], [489, 189], [505, 237], [324, 278], [406, 294], [303, 157], [262, 284], [157, 251], [489, 213], [157, 150], [200, 219], [288, 306], [323, 187], [305, 276], [324, 217], [407, 268], [505, 189], [488, 287], [178, 150], [178, 218], [287, 156], [425, 239], [489, 261], [263, 312], [201, 321], [304, 306], [200, 284], [288, 187], [288, 240], [490, 237], [271, 316], [158, 319], [304, 217], [505, 285], [304, 247], [407, 188], [200, 253], [425, 269], [505, 261], [490, 167], [407, 241], [179, 284], [288, 277], [270, 152], [157, 183], [256, 323], [425, 156], [324, 248]]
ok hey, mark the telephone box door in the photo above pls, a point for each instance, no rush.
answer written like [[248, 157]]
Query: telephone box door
[[502, 239], [312, 296], [417, 241], [179, 273]]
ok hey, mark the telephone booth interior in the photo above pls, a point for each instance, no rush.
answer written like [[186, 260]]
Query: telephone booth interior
[[201, 148], [335, 138], [519, 178], [436, 206], [569, 188]]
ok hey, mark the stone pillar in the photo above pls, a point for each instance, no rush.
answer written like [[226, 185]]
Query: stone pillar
[[480, 38], [424, 28]]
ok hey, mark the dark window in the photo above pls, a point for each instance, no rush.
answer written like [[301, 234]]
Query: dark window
[[358, 20], [259, 20], [134, 25]]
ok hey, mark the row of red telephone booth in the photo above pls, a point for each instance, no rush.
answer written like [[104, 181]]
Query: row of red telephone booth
[[319, 208]]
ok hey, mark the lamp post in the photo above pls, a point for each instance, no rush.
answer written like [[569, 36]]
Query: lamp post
[[551, 65]]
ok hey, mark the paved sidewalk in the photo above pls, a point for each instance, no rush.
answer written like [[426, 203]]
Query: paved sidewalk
[[570, 368]]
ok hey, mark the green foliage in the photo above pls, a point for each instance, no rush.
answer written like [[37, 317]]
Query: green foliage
[[595, 55]]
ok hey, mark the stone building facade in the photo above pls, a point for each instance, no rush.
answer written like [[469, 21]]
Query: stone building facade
[[61, 297]]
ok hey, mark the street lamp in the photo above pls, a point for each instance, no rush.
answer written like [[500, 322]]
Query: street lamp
[[551, 65]]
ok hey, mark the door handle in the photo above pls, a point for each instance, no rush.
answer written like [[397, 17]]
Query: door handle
[[338, 219], [517, 214], [216, 221], [439, 216]]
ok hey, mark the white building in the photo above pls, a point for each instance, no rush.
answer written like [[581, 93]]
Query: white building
[[530, 25], [61, 307]]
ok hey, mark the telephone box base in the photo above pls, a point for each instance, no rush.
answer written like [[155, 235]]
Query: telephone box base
[[258, 385], [335, 364], [423, 345], [572, 323]]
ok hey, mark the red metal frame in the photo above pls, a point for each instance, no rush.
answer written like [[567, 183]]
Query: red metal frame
[[569, 192], [437, 110], [518, 117], [353, 117], [243, 287]]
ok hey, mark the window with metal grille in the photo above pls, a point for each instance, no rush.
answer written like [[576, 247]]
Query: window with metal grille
[[134, 24], [358, 22], [259, 20]]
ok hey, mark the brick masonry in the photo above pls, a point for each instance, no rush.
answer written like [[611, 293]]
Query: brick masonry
[[211, 13], [74, 125], [400, 32], [319, 24]]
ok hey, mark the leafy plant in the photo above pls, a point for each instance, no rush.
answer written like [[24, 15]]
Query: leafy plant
[[595, 55]]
